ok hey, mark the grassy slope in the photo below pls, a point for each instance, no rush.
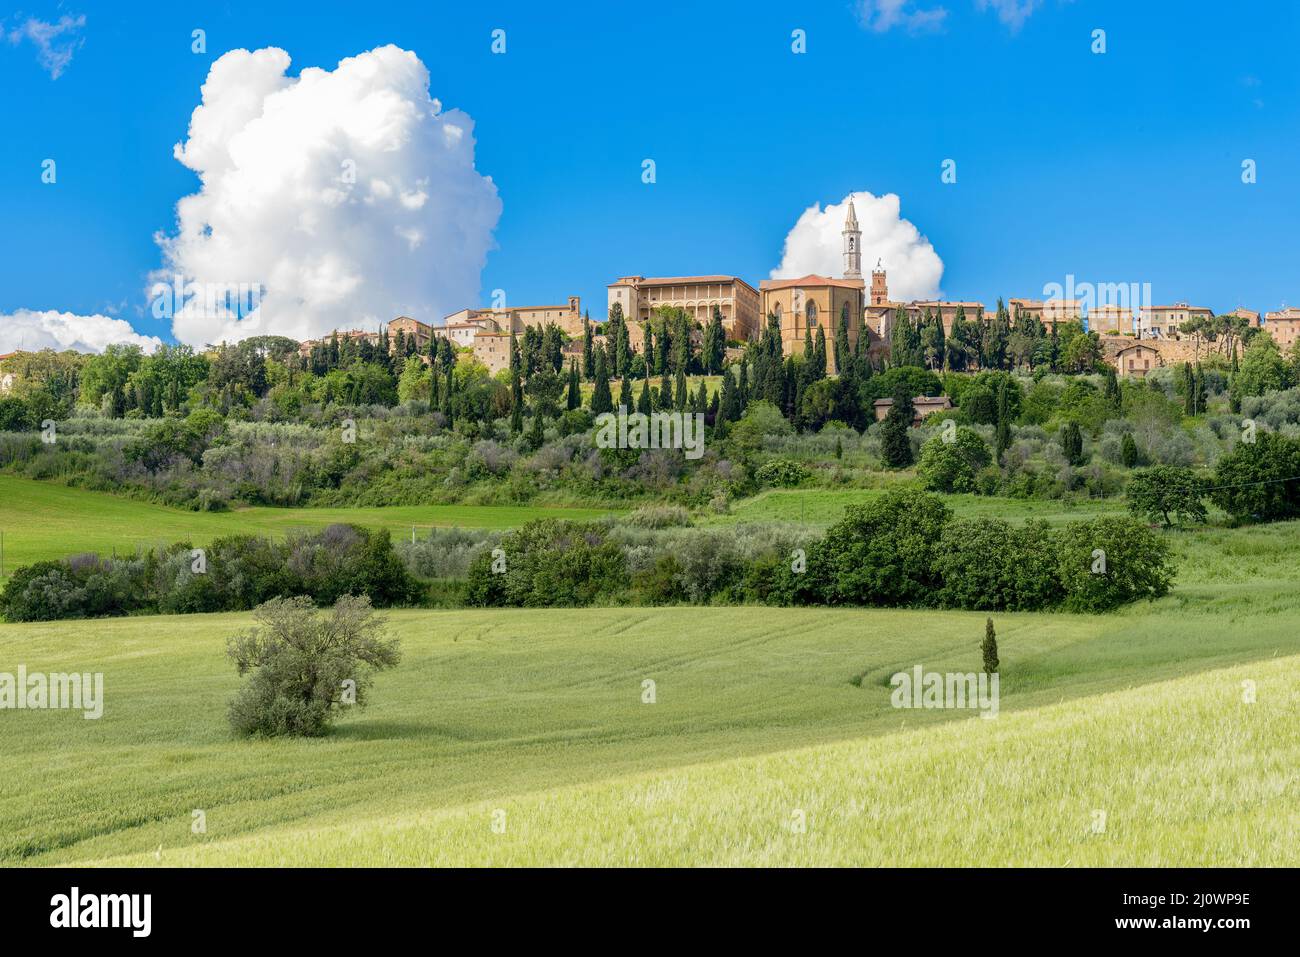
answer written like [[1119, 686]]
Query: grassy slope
[[1185, 772], [490, 706], [45, 521]]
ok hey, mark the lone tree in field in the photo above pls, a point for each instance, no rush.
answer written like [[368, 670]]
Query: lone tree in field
[[305, 665], [989, 648], [1158, 493]]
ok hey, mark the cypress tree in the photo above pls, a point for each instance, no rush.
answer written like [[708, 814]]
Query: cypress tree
[[1072, 443], [601, 400], [1111, 391], [664, 394], [448, 391], [536, 434], [643, 403], [625, 393], [819, 355], [1128, 451], [940, 340], [729, 403], [895, 447], [516, 389], [843, 352], [899, 347], [680, 395], [588, 362], [989, 649], [574, 399], [1003, 438]]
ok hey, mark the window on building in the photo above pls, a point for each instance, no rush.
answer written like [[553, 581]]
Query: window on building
[[810, 312]]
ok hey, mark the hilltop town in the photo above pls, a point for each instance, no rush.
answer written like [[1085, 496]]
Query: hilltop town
[[1133, 338]]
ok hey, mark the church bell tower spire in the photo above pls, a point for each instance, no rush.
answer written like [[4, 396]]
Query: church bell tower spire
[[852, 244]]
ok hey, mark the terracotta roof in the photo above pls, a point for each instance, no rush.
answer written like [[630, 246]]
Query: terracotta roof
[[811, 280]]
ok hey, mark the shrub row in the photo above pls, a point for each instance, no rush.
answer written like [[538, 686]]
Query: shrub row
[[232, 574], [903, 549]]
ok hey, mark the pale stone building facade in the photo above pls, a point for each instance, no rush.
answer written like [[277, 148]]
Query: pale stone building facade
[[1111, 320], [493, 350], [1050, 312], [516, 319], [1163, 322], [698, 296], [1283, 325]]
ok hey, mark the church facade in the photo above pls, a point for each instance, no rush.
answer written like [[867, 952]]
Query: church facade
[[811, 303]]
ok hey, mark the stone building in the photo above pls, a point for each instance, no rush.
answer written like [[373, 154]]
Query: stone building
[[1283, 325], [411, 330], [493, 350], [516, 319], [1163, 322], [922, 406], [1050, 312], [698, 296], [1111, 320]]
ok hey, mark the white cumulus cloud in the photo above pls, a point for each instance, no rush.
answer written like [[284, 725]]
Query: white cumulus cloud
[[32, 330], [345, 197], [816, 245]]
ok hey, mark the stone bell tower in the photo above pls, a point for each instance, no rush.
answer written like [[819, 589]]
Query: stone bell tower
[[852, 244], [879, 288]]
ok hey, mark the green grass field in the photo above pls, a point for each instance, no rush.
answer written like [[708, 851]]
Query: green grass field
[[763, 717], [822, 507], [43, 521], [539, 713]]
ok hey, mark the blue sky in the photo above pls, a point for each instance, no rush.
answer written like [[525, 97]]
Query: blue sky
[[1119, 167]]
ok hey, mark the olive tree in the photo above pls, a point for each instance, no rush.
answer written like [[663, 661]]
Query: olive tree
[[305, 665]]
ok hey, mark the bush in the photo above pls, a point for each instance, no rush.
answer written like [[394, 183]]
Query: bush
[[659, 516], [782, 472], [549, 563], [304, 666], [240, 573], [1156, 493], [80, 587], [1258, 480], [953, 466], [883, 552], [991, 565], [1109, 562]]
